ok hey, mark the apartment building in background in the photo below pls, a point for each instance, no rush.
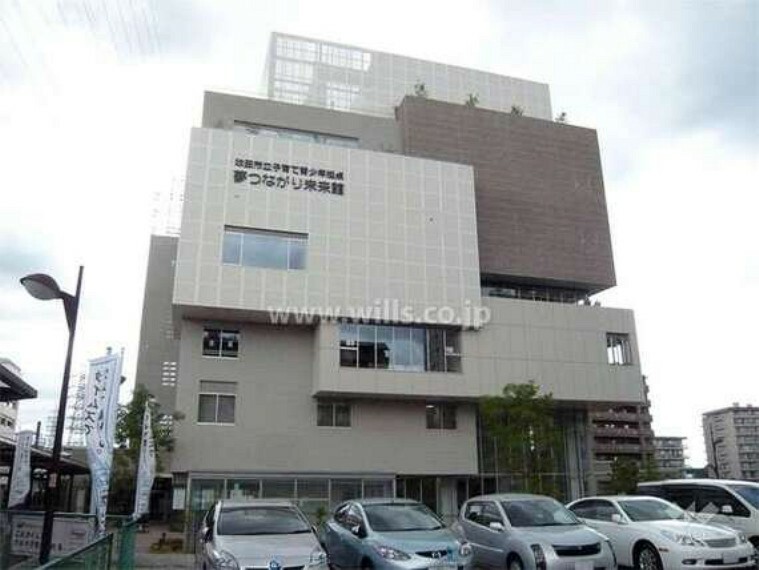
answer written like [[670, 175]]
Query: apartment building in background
[[320, 319], [669, 456], [9, 409], [620, 431], [732, 442]]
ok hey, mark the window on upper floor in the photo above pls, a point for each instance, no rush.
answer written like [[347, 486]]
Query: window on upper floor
[[264, 248], [333, 414], [441, 416], [296, 134], [618, 349], [402, 348], [221, 343], [217, 402]]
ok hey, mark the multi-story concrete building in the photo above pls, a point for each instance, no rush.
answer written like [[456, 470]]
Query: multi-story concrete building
[[620, 432], [358, 265], [732, 442], [9, 409], [669, 455]]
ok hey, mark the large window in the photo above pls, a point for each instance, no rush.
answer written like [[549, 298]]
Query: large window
[[410, 349], [217, 402], [264, 248], [441, 416], [333, 414], [618, 349], [221, 343]]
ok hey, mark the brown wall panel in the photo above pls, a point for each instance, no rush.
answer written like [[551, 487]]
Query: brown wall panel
[[541, 209]]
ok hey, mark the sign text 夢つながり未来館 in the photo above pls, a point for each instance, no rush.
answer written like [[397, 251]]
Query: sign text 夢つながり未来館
[[288, 176]]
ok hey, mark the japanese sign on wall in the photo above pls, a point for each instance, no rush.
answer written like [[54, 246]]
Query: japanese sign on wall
[[288, 176]]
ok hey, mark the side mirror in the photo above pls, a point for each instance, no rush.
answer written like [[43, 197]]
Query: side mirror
[[617, 518], [496, 526], [358, 531], [726, 509]]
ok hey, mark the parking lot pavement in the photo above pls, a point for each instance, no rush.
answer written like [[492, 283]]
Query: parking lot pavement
[[146, 558]]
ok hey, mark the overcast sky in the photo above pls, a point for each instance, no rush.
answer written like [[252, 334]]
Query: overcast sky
[[97, 99]]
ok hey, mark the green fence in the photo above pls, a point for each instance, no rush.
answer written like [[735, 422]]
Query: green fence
[[116, 548], [94, 556]]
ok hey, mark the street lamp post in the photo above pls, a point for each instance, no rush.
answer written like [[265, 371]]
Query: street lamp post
[[45, 288]]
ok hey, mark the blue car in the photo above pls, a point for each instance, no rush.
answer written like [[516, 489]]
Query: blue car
[[392, 533]]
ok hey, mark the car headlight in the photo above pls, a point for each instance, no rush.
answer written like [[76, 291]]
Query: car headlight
[[223, 560], [390, 553], [318, 558], [682, 539], [465, 549]]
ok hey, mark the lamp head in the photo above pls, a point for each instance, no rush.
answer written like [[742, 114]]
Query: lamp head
[[41, 286]]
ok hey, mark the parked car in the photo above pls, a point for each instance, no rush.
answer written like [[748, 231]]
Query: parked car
[[258, 533], [392, 533], [731, 503], [648, 533], [530, 532]]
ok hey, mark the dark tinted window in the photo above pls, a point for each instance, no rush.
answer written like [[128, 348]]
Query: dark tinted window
[[594, 510], [711, 500], [261, 520], [748, 492], [391, 517], [684, 496]]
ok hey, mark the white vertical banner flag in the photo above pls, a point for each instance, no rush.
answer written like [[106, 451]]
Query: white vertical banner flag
[[20, 478], [101, 402], [146, 469]]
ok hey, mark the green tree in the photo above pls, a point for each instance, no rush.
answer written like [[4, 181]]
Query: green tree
[[128, 436], [472, 100], [625, 475], [517, 110], [650, 470], [561, 117], [522, 423]]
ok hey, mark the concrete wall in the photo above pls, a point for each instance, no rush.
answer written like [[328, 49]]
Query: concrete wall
[[276, 427], [158, 355], [541, 210], [404, 230], [355, 79], [561, 347], [221, 110]]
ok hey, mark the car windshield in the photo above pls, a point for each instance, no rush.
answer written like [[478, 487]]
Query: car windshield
[[640, 510], [748, 492], [260, 520], [401, 517], [538, 512]]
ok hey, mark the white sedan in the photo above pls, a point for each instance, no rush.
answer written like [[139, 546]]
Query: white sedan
[[648, 533]]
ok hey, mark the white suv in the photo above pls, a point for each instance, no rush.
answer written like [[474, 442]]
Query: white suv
[[721, 501]]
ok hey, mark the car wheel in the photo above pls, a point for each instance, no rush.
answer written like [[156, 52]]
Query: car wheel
[[646, 558], [515, 563], [367, 565]]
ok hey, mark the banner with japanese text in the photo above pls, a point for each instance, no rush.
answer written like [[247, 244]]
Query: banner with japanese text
[[146, 469], [101, 402], [20, 478]]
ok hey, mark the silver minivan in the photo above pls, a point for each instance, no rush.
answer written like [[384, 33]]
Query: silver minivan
[[717, 501], [531, 532]]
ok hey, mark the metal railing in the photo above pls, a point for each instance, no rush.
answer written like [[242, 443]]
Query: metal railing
[[94, 556], [117, 547]]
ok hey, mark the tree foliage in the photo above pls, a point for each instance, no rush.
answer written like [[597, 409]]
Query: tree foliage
[[522, 424], [517, 110], [472, 100], [625, 475], [128, 438], [420, 90]]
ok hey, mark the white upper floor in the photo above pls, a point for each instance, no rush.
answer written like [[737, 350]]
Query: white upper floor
[[337, 76]]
